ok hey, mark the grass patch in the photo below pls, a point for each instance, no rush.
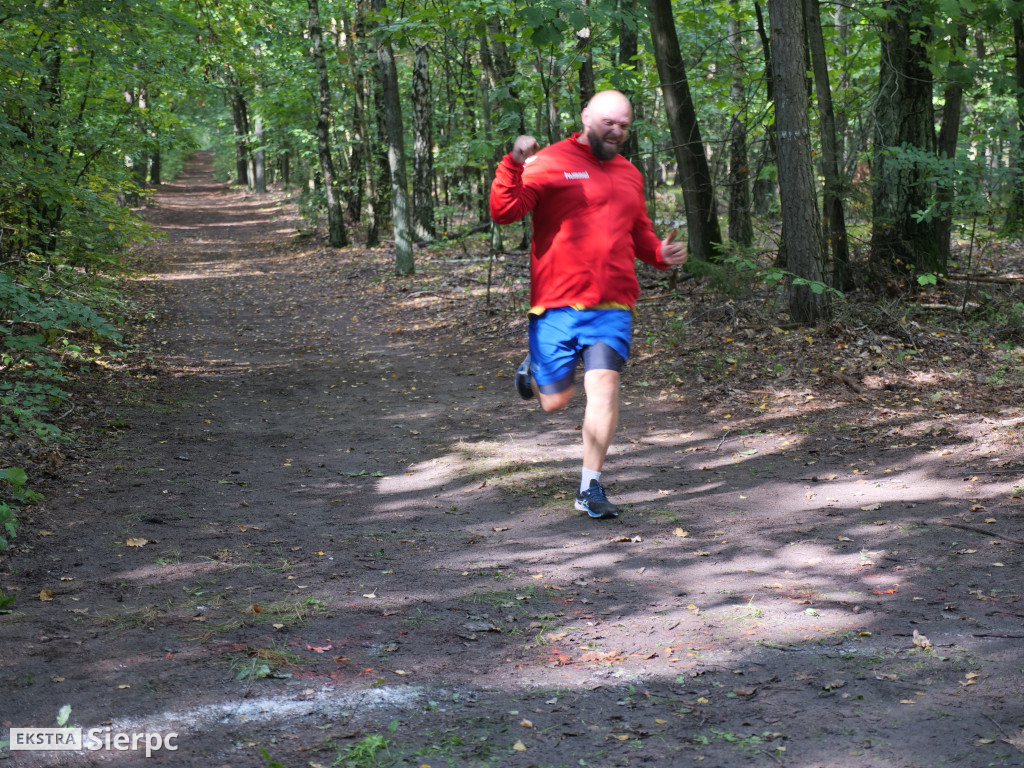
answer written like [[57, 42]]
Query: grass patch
[[131, 618]]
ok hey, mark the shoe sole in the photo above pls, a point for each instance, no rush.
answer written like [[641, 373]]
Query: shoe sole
[[523, 386], [595, 516]]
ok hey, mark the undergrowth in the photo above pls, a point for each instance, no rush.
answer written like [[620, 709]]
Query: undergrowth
[[53, 319]]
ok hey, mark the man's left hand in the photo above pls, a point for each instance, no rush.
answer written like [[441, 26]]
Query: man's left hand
[[673, 253]]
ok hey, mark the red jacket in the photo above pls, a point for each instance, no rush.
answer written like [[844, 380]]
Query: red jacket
[[589, 224]]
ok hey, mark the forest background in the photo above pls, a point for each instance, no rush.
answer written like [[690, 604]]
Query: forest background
[[832, 159]]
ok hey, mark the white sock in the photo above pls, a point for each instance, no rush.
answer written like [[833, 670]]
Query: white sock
[[588, 475]]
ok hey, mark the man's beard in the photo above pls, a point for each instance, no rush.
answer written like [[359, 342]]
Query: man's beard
[[599, 148]]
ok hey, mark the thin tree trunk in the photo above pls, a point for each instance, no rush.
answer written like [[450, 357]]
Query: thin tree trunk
[[354, 42], [764, 186], [337, 236], [1015, 213], [423, 148], [504, 74], [396, 152], [240, 121], [835, 220], [358, 156], [259, 162], [156, 168], [46, 131], [628, 47], [585, 54], [741, 228], [801, 227], [949, 137], [698, 192]]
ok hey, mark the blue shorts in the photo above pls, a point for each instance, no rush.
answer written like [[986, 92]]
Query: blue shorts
[[562, 336]]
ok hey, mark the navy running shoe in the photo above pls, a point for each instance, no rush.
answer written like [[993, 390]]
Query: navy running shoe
[[595, 503], [523, 385]]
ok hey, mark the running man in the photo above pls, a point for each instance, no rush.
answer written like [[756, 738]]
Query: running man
[[589, 224]]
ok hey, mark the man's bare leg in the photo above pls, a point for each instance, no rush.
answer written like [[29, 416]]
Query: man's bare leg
[[601, 418]]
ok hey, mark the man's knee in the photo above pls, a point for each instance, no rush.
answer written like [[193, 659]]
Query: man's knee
[[557, 401], [602, 384]]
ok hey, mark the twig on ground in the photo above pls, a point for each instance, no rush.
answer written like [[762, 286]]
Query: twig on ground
[[848, 381], [722, 441], [982, 531]]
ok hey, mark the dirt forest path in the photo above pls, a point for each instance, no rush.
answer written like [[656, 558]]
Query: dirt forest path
[[328, 533]]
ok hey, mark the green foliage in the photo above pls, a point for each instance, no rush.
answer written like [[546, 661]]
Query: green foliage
[[13, 490], [364, 753], [50, 320], [46, 316], [270, 762], [739, 271]]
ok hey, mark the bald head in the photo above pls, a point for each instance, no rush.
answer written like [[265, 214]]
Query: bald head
[[606, 121]]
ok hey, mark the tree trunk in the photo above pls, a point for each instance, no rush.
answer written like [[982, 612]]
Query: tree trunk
[[835, 220], [904, 125], [363, 144], [504, 75], [240, 121], [1015, 213], [764, 184], [949, 137], [586, 59], [423, 148], [698, 193], [156, 168], [741, 228], [801, 228], [628, 47], [396, 151], [46, 130], [337, 236], [259, 162]]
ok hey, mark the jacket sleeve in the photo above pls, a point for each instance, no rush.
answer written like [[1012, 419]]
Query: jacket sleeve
[[647, 244], [510, 198]]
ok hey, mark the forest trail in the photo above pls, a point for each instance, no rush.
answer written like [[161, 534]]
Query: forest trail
[[323, 525]]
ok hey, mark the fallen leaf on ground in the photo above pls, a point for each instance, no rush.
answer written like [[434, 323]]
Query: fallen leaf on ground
[[519, 746], [46, 595], [138, 542], [1016, 741], [921, 641]]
